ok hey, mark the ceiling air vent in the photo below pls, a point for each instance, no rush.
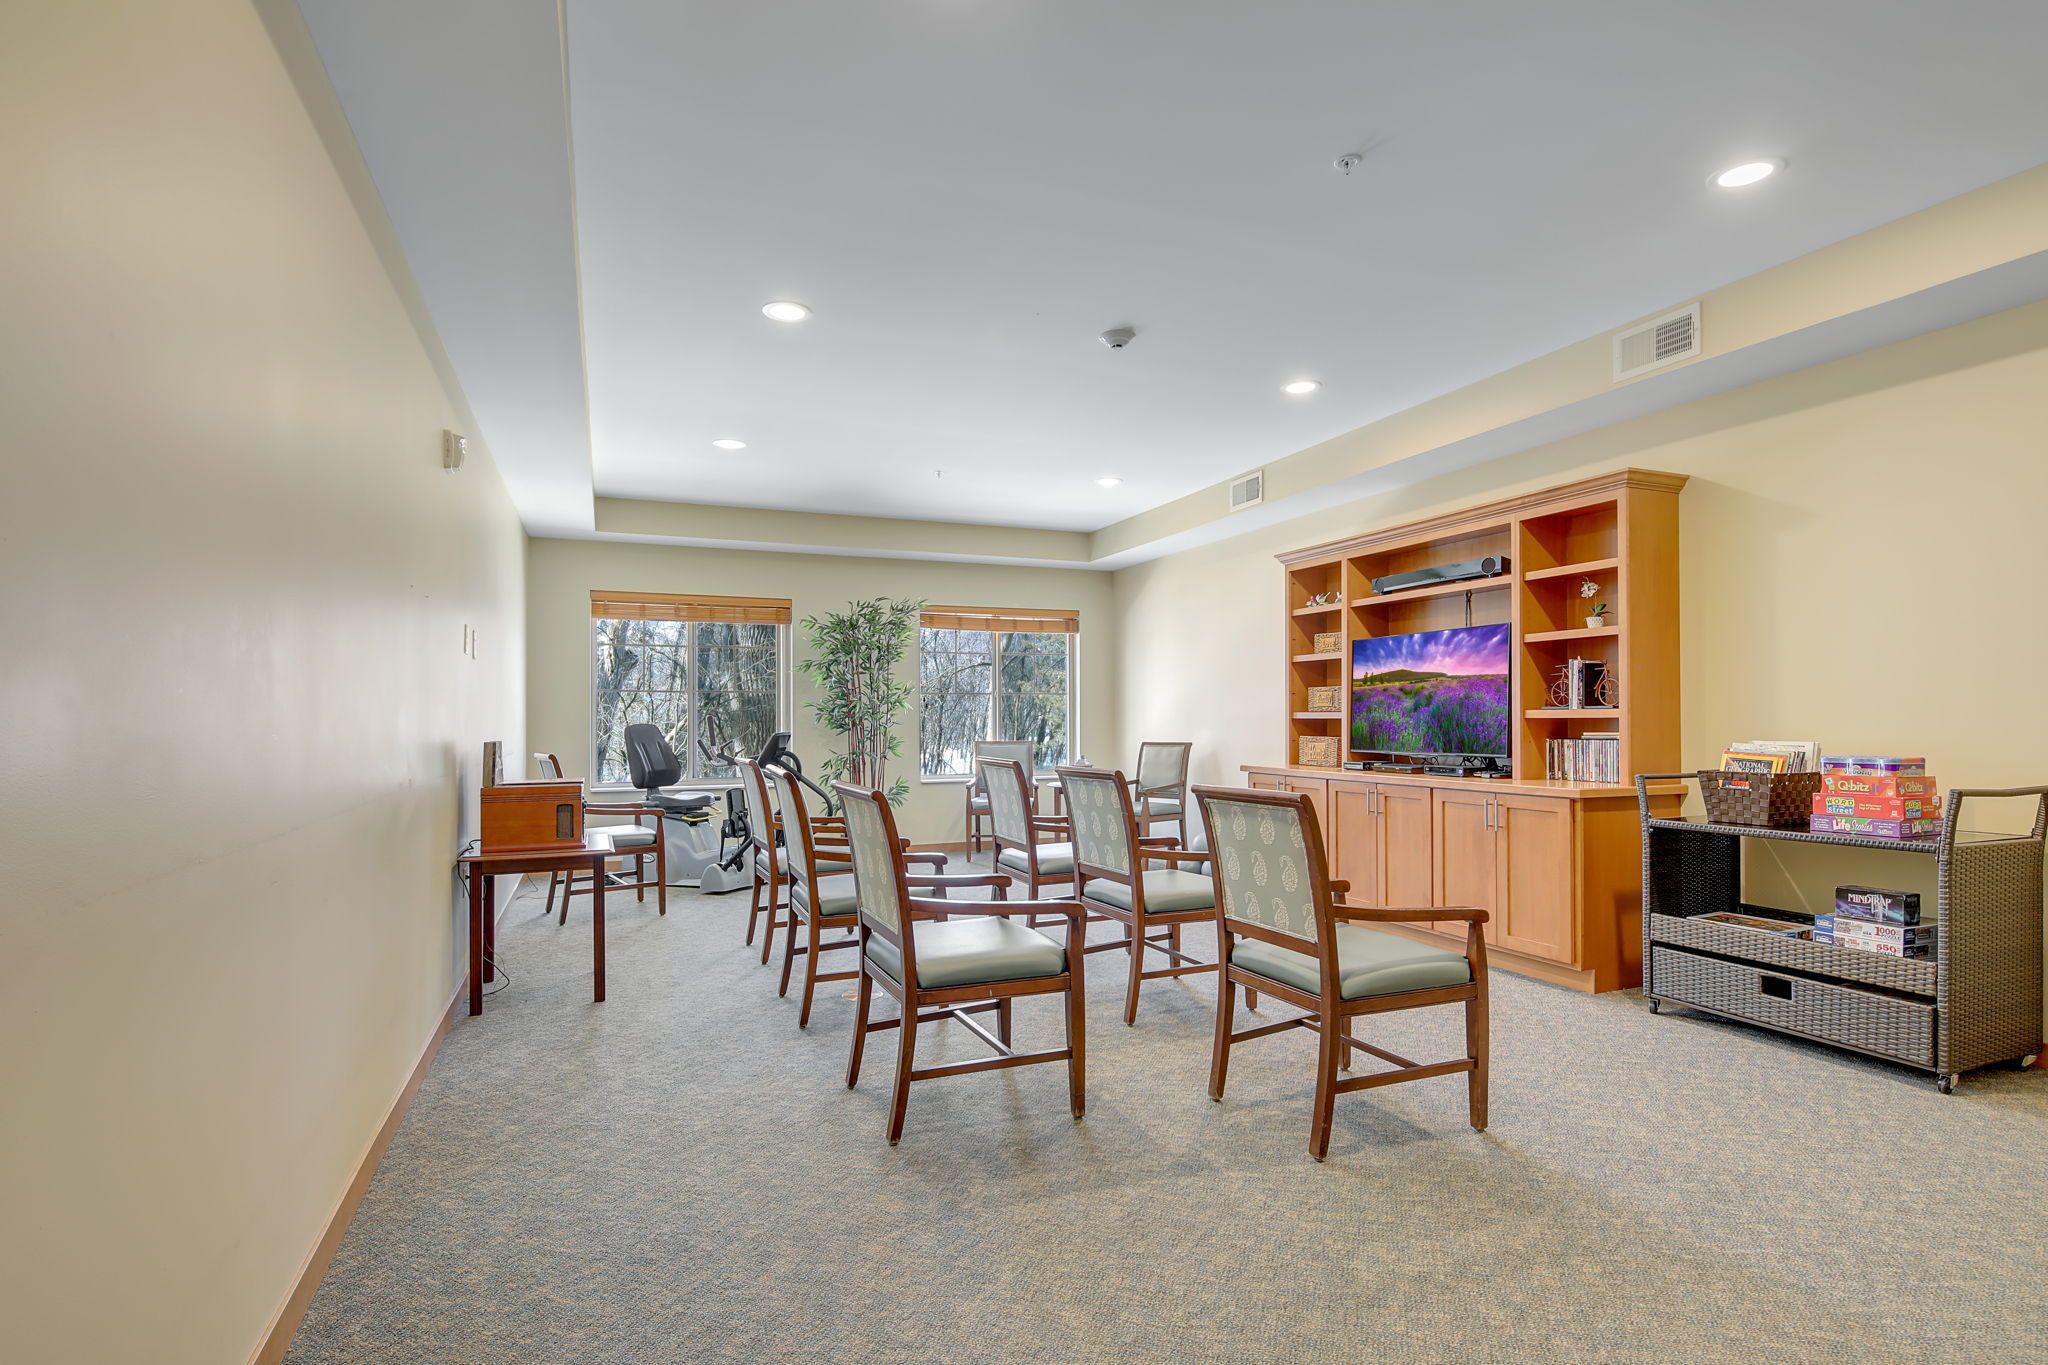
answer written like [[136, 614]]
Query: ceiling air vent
[[1248, 491], [1657, 343]]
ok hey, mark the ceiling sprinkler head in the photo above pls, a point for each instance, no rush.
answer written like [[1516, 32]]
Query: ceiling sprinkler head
[[1116, 338], [1348, 162]]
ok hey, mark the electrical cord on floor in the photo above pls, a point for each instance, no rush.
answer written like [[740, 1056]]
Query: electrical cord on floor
[[462, 878]]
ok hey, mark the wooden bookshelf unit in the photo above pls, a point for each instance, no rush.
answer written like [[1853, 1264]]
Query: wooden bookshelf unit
[[1558, 863]]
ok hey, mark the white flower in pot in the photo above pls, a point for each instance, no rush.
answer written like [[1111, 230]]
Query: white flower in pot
[[1596, 618]]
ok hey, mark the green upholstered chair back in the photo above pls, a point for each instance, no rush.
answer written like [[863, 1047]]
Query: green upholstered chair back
[[796, 822], [1015, 750], [761, 818], [1162, 767], [1266, 859], [1009, 800], [1100, 806], [878, 875]]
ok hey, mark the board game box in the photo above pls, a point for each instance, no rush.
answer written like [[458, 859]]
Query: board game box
[[1879, 784], [1868, 827], [1878, 904], [1853, 932], [1882, 807], [1866, 763]]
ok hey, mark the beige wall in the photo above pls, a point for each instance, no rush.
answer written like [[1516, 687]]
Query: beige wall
[[561, 573], [235, 717], [1862, 565]]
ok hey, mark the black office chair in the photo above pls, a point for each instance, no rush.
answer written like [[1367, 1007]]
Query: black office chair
[[652, 765]]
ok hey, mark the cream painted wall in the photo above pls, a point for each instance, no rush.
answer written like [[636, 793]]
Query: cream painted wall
[[236, 721], [561, 573], [1861, 556]]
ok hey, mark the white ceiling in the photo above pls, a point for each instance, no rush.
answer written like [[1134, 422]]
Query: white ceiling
[[968, 191]]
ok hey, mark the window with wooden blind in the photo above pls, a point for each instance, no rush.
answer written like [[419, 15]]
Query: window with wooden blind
[[708, 670], [990, 673]]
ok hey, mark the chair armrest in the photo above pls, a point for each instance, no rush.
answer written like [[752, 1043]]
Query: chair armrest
[[995, 879], [1052, 823], [1072, 911], [1339, 888], [1415, 916], [935, 859], [1179, 855]]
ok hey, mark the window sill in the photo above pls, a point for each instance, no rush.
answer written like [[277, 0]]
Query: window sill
[[948, 780]]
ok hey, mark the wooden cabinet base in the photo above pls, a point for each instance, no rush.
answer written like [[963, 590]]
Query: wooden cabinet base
[[1557, 866]]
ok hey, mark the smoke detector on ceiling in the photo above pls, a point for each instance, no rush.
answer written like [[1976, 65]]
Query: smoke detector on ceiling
[[1657, 343], [1116, 338], [1248, 491]]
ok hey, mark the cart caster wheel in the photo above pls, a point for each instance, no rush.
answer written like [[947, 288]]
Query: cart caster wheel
[[1946, 1085], [2023, 1063], [1656, 1007]]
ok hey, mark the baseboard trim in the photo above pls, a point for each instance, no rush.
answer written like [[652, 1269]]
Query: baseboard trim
[[277, 1338]]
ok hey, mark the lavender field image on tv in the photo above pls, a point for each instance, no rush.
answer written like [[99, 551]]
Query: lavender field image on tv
[[1438, 692]]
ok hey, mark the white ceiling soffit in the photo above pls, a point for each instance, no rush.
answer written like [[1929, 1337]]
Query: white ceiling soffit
[[1948, 304], [460, 110]]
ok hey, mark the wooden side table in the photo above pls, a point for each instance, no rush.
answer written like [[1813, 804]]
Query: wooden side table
[[484, 868]]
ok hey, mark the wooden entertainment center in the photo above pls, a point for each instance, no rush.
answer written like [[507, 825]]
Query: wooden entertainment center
[[1559, 864]]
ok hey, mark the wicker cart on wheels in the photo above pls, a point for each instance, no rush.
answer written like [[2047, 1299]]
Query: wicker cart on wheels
[[1976, 1002]]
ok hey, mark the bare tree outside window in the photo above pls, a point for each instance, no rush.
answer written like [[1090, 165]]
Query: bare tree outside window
[[697, 680], [981, 684]]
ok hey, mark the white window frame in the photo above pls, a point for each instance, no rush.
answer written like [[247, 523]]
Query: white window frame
[[693, 761], [990, 726]]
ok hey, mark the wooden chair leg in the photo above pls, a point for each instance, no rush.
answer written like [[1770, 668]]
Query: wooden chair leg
[[1137, 948], [1077, 1043], [640, 877], [754, 907], [803, 1014], [774, 895], [1326, 1085], [789, 948], [863, 996], [660, 867], [906, 1052], [1219, 1052], [1251, 998], [1477, 1046], [1003, 1020], [569, 890]]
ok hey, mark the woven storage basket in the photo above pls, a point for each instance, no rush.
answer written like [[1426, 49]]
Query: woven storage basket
[[1326, 699], [1775, 799], [1320, 751], [1329, 642]]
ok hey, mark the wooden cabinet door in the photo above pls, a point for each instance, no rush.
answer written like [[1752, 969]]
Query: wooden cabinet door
[[1356, 835], [1465, 871], [1407, 874], [1268, 782], [1316, 789], [1533, 906]]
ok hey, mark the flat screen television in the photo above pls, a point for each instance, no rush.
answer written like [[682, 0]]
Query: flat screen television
[[1434, 692]]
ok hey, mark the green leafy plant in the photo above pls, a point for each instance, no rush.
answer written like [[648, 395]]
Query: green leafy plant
[[854, 655]]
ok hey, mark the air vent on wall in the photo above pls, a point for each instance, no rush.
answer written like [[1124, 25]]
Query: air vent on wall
[[1657, 343], [1248, 491]]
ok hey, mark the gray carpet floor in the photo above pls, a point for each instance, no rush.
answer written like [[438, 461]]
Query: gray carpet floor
[[680, 1175]]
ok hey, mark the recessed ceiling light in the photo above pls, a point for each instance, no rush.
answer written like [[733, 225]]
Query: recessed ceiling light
[[782, 310], [1748, 173], [1109, 481], [730, 444], [1301, 386]]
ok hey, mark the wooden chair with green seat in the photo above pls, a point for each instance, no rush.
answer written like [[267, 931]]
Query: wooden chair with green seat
[[1161, 786], [1035, 849], [1017, 751], [1113, 881], [1281, 931], [976, 961], [821, 887], [637, 841]]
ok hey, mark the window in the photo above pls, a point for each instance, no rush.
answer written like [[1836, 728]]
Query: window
[[986, 674], [707, 670]]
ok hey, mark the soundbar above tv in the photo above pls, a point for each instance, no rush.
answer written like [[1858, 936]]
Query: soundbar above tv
[[1492, 566]]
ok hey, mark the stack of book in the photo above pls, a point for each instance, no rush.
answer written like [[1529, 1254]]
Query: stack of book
[[1876, 797], [1589, 758], [1770, 756], [1873, 920]]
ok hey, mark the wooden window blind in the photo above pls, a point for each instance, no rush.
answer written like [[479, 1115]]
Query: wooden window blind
[[1007, 618], [665, 606]]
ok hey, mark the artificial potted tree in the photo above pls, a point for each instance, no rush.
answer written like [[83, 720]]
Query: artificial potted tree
[[854, 656]]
